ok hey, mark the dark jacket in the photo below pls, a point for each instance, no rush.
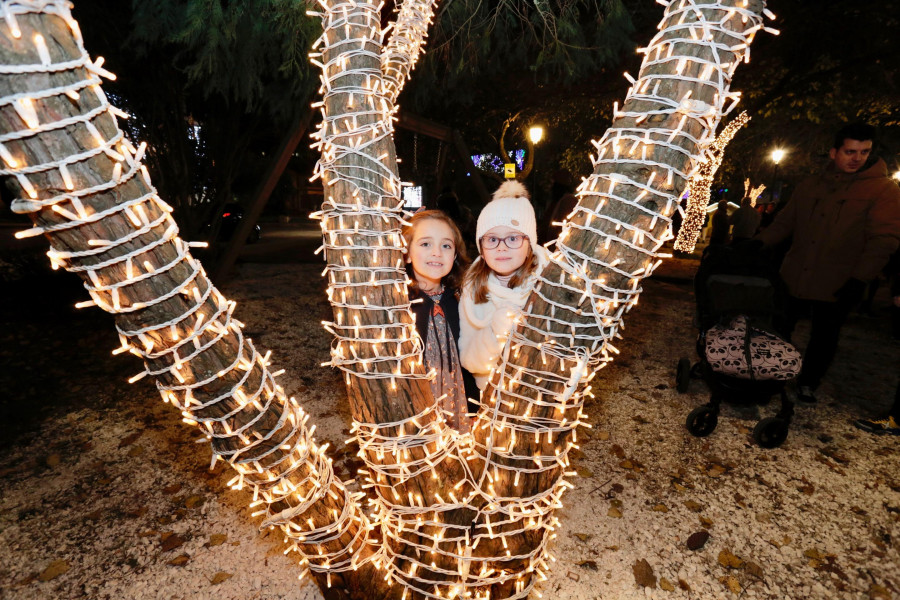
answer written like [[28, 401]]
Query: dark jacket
[[844, 225], [744, 222], [450, 305], [720, 224]]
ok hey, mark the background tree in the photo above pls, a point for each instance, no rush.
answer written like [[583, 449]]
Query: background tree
[[832, 65], [525, 62], [211, 85]]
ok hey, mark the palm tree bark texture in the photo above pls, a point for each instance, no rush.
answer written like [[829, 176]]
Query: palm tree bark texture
[[449, 515]]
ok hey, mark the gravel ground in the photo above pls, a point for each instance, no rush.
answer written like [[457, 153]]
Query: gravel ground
[[103, 493]]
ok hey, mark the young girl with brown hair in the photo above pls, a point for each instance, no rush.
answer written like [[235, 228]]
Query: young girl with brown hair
[[436, 260], [498, 283]]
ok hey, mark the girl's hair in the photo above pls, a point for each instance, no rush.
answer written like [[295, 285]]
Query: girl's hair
[[478, 273], [453, 279]]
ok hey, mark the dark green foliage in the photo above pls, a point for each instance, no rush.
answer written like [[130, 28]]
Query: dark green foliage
[[251, 52], [835, 61], [477, 44], [543, 62], [212, 85]]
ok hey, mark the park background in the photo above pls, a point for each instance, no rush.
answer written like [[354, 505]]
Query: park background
[[87, 459]]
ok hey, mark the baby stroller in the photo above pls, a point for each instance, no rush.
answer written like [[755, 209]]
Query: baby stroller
[[743, 357]]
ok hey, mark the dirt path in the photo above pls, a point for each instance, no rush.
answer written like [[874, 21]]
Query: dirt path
[[103, 493]]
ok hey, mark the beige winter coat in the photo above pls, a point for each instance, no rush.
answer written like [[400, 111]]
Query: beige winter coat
[[843, 225], [483, 328]]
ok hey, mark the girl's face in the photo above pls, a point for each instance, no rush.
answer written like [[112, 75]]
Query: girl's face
[[504, 260], [431, 252]]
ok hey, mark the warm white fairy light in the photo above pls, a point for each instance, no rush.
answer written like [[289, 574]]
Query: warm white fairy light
[[546, 403], [283, 466], [753, 192], [361, 219], [401, 52], [375, 338], [699, 187], [518, 400]]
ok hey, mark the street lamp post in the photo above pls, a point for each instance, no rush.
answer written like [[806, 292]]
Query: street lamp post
[[776, 156]]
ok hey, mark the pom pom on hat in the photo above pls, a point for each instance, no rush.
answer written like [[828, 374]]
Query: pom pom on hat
[[509, 207], [511, 189]]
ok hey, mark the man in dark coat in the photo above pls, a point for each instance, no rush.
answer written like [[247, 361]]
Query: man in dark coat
[[745, 221], [845, 224], [720, 225]]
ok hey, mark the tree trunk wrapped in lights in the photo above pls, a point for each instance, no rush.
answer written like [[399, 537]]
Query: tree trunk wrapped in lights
[[86, 190], [454, 516]]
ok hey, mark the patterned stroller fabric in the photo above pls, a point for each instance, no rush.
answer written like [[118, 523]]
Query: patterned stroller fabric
[[728, 349]]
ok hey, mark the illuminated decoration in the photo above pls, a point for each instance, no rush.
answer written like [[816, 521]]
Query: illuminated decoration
[[753, 192], [168, 313], [700, 184], [449, 515], [492, 526], [405, 44], [493, 163]]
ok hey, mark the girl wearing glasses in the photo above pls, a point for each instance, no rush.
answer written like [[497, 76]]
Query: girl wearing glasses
[[498, 283], [436, 259]]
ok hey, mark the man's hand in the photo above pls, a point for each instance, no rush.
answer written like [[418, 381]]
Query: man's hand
[[851, 292]]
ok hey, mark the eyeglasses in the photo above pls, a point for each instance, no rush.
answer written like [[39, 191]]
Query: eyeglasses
[[513, 242]]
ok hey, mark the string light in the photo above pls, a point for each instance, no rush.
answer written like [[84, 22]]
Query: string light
[[529, 417], [494, 519], [699, 187], [145, 270], [574, 315], [753, 192]]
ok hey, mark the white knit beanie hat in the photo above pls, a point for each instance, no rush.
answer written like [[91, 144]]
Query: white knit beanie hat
[[509, 207]]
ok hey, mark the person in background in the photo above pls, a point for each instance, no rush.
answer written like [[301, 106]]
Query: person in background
[[844, 224], [890, 273], [556, 213], [720, 225], [562, 202], [890, 423], [745, 221], [767, 215]]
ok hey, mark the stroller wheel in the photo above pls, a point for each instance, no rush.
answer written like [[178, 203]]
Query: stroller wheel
[[770, 432], [702, 421], [683, 375]]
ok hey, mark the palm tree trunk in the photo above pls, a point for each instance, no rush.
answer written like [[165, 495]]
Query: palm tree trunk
[[83, 186]]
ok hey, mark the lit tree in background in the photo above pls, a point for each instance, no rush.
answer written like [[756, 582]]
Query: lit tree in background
[[698, 194], [448, 515], [753, 192]]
